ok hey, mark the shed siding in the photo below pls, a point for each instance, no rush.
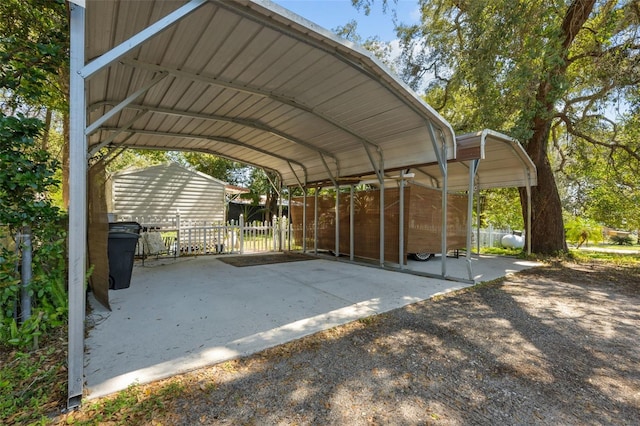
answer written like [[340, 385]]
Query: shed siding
[[161, 191]]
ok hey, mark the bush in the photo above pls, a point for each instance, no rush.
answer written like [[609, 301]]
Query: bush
[[26, 175], [622, 240]]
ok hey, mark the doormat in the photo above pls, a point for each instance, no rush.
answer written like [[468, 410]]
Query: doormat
[[264, 259]]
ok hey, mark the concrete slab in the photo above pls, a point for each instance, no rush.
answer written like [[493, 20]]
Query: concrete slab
[[183, 314]]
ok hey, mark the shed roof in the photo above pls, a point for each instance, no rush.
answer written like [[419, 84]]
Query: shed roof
[[251, 81]]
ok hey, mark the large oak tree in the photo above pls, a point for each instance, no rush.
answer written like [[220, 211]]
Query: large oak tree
[[527, 67]]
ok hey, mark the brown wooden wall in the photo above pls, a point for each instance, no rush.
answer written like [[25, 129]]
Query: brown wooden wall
[[422, 222]]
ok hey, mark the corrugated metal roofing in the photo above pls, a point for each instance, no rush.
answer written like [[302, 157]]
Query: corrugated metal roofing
[[250, 81], [503, 163]]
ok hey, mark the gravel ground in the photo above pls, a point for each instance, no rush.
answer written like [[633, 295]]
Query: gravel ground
[[552, 345]]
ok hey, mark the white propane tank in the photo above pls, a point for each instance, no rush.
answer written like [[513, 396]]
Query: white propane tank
[[512, 241]]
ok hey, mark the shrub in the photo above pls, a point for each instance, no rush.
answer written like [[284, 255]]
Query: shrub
[[622, 240], [26, 175]]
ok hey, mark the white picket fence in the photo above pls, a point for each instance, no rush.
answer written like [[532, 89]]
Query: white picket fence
[[176, 236], [490, 237]]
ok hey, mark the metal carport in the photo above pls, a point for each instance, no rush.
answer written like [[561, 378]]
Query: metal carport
[[244, 80]]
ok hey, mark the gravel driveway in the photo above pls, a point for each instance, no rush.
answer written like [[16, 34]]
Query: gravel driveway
[[552, 345]]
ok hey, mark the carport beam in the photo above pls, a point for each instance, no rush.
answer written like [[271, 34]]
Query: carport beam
[[128, 45]]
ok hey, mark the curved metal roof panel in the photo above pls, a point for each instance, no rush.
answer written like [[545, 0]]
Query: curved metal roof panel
[[503, 163], [250, 81]]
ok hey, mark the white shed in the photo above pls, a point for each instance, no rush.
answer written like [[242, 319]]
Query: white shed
[[161, 191]]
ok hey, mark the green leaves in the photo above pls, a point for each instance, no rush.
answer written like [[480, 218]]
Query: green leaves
[[33, 53], [26, 175]]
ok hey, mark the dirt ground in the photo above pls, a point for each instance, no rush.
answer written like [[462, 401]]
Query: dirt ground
[[552, 345]]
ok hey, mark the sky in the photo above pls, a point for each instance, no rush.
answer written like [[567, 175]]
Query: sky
[[330, 14]]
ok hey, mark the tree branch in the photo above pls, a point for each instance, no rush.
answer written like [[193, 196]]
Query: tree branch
[[612, 146]]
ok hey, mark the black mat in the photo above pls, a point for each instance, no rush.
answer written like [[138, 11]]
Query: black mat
[[264, 259]]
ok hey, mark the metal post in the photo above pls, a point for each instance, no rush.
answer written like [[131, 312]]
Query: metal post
[[401, 221], [441, 154], [304, 219], [77, 206], [315, 223], [473, 168], [478, 221], [337, 221], [351, 225], [528, 236], [382, 222], [26, 272]]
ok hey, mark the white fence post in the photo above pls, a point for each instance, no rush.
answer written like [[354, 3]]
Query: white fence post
[[241, 234], [178, 248], [274, 224]]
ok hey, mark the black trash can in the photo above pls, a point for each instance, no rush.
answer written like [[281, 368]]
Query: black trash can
[[123, 238]]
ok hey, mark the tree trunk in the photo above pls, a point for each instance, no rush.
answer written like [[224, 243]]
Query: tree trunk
[[547, 227], [47, 129]]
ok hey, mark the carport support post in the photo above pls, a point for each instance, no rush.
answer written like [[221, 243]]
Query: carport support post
[[473, 168], [401, 221], [351, 224], [315, 222], [441, 153], [304, 219], [528, 236], [337, 254], [77, 207], [382, 220], [478, 220]]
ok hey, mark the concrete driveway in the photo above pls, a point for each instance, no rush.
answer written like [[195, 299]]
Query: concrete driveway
[[187, 313]]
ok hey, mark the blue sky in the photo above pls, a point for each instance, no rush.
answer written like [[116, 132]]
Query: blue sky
[[333, 13]]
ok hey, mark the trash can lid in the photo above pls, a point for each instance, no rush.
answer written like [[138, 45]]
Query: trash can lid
[[123, 234], [131, 227]]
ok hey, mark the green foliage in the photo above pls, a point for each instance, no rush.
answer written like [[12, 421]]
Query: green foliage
[[580, 231], [26, 173], [501, 251], [534, 70], [622, 240], [33, 53], [30, 384], [610, 256], [134, 405], [501, 207], [220, 168]]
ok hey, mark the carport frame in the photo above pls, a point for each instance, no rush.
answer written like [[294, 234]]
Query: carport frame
[[80, 72]]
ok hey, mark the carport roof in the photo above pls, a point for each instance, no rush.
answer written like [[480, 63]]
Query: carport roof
[[503, 163], [252, 82]]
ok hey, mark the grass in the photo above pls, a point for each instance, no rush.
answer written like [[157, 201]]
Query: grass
[[134, 405], [33, 384]]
